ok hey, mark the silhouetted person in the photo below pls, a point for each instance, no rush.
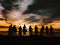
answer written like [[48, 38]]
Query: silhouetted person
[[20, 31], [36, 30], [24, 30], [14, 30], [42, 31], [30, 30], [51, 31], [10, 30], [47, 30]]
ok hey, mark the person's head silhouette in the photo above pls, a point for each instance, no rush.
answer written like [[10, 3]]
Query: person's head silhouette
[[24, 26], [11, 25], [14, 25], [30, 25], [35, 25], [20, 26]]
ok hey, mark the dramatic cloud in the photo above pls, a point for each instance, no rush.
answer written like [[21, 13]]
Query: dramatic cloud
[[49, 8], [1, 8], [30, 11]]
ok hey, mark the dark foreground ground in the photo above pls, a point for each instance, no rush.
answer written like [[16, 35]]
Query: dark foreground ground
[[5, 33], [29, 40]]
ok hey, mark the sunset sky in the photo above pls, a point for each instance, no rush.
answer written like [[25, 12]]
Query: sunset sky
[[30, 12]]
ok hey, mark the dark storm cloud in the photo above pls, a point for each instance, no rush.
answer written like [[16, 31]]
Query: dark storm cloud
[[49, 8], [8, 4], [44, 4], [32, 19]]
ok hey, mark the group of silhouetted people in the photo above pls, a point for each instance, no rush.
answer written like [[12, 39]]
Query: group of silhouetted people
[[13, 30], [48, 31], [22, 29]]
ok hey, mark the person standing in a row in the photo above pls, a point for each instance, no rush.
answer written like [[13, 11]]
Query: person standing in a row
[[47, 30], [20, 31], [24, 30], [10, 30], [14, 30], [36, 30], [30, 30], [51, 31], [42, 31]]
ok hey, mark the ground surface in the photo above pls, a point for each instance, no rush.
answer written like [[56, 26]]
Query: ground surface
[[29, 40], [5, 33]]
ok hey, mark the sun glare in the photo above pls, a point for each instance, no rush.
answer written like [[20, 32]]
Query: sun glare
[[27, 26]]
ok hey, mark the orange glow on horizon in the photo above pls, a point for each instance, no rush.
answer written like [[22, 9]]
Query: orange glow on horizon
[[55, 24]]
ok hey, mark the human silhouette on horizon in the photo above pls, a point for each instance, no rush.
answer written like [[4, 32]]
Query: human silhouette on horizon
[[36, 30], [30, 30], [14, 30], [51, 31], [24, 30], [47, 30], [10, 30], [42, 31], [20, 31]]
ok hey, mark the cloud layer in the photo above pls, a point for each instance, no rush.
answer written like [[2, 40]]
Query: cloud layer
[[31, 11]]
